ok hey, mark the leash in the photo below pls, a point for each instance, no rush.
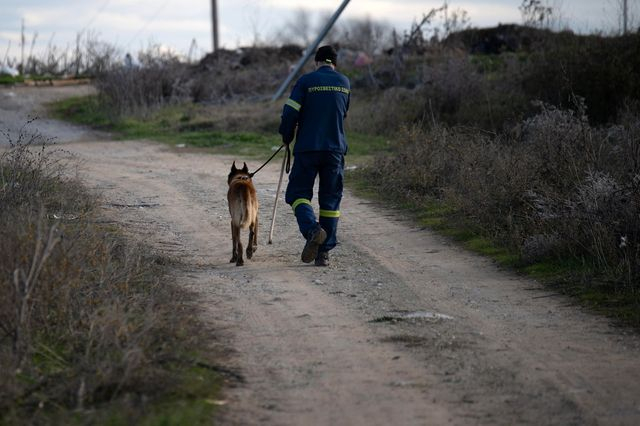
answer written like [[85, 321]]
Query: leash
[[286, 160]]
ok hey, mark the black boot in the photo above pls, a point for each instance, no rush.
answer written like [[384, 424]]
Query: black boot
[[322, 259], [310, 251]]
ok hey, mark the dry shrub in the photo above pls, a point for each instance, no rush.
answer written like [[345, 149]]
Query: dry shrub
[[223, 85], [493, 91], [161, 79], [85, 317], [451, 83], [246, 74], [422, 166], [383, 112], [127, 90], [446, 87], [552, 186]]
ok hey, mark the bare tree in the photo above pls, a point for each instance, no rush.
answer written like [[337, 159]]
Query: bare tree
[[31, 63], [456, 20], [100, 56], [536, 13], [257, 22], [6, 55], [363, 34], [453, 20], [22, 41], [621, 15], [297, 30]]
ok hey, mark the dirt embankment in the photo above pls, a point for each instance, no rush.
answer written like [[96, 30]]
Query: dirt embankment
[[404, 328]]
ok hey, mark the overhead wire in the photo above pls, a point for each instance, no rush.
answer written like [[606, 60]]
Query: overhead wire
[[95, 16], [149, 21]]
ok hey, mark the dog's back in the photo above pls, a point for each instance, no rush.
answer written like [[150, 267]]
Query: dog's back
[[243, 202]]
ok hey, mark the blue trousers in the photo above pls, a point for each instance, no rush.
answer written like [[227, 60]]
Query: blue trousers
[[329, 166]]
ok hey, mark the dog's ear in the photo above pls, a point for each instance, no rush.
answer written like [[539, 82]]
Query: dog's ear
[[233, 167], [245, 168]]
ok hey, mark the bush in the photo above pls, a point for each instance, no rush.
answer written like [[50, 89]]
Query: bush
[[552, 187], [445, 87], [135, 90], [246, 74], [493, 92], [602, 70], [86, 318]]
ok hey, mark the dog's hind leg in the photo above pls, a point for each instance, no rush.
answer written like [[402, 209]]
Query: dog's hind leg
[[255, 235], [234, 253], [238, 246], [252, 245]]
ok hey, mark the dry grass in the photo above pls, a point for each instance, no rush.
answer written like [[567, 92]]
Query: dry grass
[[135, 90], [538, 178], [250, 75], [551, 187], [87, 320]]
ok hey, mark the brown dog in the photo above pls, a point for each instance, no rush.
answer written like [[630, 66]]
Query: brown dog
[[243, 206]]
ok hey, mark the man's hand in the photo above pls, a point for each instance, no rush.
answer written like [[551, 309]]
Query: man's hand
[[286, 141]]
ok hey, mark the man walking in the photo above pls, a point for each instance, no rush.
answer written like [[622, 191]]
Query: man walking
[[317, 106]]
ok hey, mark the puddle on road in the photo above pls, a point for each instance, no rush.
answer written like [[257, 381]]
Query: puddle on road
[[411, 315]]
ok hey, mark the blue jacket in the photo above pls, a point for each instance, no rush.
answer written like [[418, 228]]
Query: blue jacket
[[318, 106]]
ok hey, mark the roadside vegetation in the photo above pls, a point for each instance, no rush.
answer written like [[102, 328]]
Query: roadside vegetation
[[9, 79], [520, 141], [526, 152], [88, 327], [247, 128], [89, 57]]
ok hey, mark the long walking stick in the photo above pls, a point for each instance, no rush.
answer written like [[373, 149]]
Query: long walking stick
[[275, 203]]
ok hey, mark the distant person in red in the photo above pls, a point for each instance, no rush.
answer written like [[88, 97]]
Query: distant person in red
[[317, 107]]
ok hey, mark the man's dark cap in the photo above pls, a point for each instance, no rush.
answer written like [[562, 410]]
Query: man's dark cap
[[327, 54]]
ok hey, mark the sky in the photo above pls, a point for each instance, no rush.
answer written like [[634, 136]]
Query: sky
[[133, 25]]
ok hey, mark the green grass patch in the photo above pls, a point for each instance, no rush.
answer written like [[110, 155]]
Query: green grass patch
[[580, 280], [49, 357], [192, 400], [192, 403], [7, 79], [486, 247], [250, 144], [552, 269], [623, 306], [361, 144], [444, 219], [85, 110], [187, 125]]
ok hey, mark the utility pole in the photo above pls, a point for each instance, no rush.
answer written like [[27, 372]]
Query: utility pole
[[214, 21], [625, 16], [22, 48]]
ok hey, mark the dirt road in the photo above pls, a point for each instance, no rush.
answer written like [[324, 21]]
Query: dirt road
[[404, 328], [20, 105]]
